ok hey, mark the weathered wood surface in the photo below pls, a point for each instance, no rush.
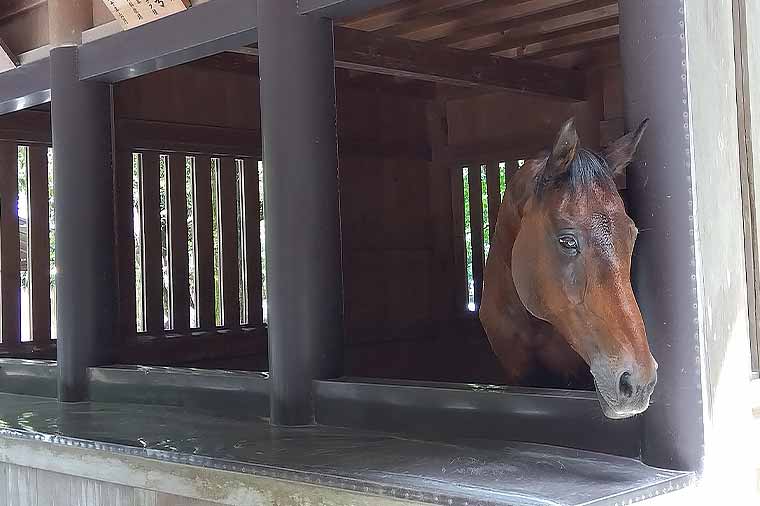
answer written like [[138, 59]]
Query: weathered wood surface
[[39, 242], [10, 254], [150, 203]]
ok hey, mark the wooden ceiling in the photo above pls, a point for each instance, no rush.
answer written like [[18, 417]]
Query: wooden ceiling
[[566, 33]]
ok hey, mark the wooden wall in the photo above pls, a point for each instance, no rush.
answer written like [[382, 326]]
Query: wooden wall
[[399, 143], [399, 245]]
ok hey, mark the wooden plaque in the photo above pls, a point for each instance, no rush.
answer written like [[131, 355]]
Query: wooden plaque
[[132, 13]]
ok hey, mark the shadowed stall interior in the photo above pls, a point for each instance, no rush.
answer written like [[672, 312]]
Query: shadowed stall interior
[[426, 148]]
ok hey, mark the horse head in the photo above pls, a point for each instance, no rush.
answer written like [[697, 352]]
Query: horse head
[[571, 264]]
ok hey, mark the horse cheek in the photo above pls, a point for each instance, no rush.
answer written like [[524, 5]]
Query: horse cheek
[[574, 282], [525, 275]]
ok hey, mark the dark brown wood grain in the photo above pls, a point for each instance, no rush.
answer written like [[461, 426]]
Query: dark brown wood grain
[[365, 51], [150, 208], [39, 242], [458, 240], [229, 240], [204, 241], [476, 230], [251, 208], [10, 255], [180, 284], [494, 196], [125, 246]]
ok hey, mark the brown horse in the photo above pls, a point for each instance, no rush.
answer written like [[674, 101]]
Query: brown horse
[[557, 289]]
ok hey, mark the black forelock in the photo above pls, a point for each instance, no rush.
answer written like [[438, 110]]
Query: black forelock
[[585, 171]]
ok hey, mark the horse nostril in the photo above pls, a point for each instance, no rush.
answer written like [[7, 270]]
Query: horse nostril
[[626, 389]]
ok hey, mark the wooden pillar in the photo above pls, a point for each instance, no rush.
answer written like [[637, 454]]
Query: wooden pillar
[[304, 284], [68, 19], [84, 207], [688, 272]]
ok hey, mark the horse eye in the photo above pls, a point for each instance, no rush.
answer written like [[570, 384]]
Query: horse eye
[[569, 243]]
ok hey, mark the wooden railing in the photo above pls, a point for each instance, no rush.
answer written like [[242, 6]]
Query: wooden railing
[[195, 249], [477, 189], [25, 281]]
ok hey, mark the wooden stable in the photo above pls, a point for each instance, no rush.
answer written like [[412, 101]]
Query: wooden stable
[[202, 143]]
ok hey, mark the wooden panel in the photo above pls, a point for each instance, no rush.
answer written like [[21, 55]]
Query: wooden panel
[[229, 240], [204, 241], [439, 181], [457, 214], [151, 244], [494, 196], [476, 230], [252, 223], [39, 242], [178, 243], [10, 254], [387, 289], [125, 245]]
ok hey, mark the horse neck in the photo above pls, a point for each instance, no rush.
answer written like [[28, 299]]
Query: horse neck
[[499, 265]]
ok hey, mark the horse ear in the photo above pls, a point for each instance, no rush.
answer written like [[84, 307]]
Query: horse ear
[[563, 151], [620, 153]]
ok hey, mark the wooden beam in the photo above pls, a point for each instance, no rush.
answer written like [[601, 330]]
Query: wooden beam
[[439, 25], [67, 20], [560, 35], [403, 11], [559, 9], [368, 52], [506, 39], [575, 42], [336, 9], [13, 8]]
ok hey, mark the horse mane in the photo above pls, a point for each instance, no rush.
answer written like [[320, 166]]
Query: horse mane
[[585, 171]]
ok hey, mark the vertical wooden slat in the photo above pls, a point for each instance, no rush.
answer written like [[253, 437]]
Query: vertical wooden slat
[[39, 243], [251, 207], [151, 244], [10, 255], [178, 243], [494, 196], [125, 246], [476, 233], [459, 251], [204, 241], [229, 236]]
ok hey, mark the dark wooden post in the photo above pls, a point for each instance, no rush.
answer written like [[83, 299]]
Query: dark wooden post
[[685, 193], [84, 207], [304, 282]]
